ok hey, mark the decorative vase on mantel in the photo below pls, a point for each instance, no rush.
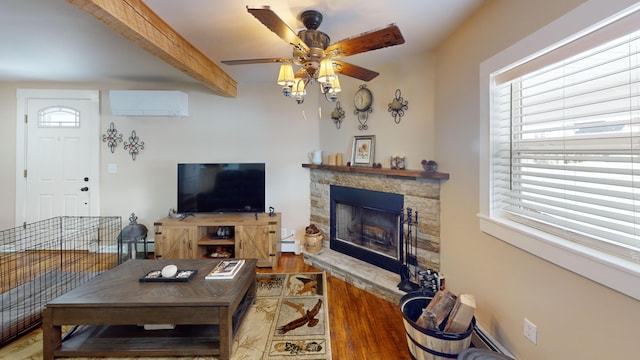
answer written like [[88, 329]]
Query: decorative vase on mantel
[[316, 157]]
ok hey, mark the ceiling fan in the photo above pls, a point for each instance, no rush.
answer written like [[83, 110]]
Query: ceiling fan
[[317, 58]]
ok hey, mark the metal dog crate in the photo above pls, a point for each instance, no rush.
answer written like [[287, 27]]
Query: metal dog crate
[[45, 259]]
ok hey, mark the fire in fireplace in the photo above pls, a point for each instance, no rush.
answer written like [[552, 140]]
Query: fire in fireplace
[[367, 225]]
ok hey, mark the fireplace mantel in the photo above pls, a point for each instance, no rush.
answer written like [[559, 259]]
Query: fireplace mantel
[[380, 171]]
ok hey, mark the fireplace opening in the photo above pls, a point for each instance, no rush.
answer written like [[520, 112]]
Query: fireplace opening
[[367, 225]]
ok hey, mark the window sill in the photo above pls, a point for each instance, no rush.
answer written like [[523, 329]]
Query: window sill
[[610, 271]]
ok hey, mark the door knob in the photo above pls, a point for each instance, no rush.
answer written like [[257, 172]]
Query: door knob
[[84, 189]]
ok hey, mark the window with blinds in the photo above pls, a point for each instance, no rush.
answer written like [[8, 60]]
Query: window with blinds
[[566, 141]]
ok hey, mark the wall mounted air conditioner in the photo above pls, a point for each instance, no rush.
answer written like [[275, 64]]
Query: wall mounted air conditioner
[[149, 103]]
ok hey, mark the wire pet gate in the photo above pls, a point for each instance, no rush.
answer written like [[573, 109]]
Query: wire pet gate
[[45, 259]]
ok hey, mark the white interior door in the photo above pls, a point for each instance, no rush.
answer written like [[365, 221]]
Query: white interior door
[[61, 163]]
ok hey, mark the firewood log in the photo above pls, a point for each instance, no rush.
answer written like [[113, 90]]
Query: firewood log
[[441, 305], [461, 314], [427, 320], [437, 310]]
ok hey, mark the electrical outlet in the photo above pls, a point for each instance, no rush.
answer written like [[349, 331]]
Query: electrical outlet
[[293, 233], [530, 331]]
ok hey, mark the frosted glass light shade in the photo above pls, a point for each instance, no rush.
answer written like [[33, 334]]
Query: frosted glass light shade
[[326, 73], [298, 88], [285, 76], [335, 85]]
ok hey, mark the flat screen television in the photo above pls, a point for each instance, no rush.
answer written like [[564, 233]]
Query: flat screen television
[[221, 188]]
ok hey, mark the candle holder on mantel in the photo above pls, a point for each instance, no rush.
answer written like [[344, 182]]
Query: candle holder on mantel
[[410, 251]]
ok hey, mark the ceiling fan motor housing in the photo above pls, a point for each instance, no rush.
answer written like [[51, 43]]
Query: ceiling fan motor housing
[[312, 36]]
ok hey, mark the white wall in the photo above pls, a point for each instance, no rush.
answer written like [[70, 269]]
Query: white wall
[[7, 156], [576, 317], [413, 137], [260, 125]]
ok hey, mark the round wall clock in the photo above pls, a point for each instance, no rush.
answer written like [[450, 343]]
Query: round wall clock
[[363, 99]]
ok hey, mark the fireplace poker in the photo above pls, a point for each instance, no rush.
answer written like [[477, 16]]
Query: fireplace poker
[[405, 270], [415, 247]]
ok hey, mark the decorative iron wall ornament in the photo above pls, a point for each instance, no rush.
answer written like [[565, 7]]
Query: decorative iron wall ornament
[[134, 145], [337, 115], [398, 106], [112, 137]]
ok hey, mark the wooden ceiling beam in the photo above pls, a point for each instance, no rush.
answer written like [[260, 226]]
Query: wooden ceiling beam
[[134, 20]]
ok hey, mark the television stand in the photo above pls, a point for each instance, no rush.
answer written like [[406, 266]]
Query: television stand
[[239, 235]]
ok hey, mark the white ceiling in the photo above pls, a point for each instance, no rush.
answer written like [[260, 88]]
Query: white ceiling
[[51, 40]]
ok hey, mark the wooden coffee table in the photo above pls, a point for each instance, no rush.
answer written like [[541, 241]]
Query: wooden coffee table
[[113, 306]]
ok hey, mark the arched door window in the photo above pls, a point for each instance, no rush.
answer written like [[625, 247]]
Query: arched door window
[[58, 117]]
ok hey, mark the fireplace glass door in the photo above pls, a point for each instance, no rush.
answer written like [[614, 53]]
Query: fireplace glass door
[[369, 229], [366, 225]]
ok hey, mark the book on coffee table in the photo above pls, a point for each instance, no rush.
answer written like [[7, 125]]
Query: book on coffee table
[[226, 269]]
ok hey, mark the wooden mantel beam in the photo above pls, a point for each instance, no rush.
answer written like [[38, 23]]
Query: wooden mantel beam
[[134, 20]]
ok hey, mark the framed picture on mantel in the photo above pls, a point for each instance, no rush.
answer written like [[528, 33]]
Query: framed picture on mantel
[[363, 150]]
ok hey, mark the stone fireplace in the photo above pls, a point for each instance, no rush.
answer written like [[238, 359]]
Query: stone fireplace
[[418, 190]]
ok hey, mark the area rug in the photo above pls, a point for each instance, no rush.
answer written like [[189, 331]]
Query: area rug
[[289, 320], [292, 310]]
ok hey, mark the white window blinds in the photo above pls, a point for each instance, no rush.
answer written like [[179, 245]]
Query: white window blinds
[[566, 146]]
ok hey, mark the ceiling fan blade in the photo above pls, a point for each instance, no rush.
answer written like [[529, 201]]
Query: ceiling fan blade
[[354, 71], [371, 40], [257, 61], [272, 21]]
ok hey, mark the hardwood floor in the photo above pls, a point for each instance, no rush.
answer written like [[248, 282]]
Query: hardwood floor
[[17, 268], [363, 326]]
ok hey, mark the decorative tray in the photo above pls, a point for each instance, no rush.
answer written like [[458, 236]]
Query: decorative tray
[[156, 276]]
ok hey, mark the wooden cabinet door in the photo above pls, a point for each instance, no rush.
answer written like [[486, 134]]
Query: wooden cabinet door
[[254, 243], [176, 243]]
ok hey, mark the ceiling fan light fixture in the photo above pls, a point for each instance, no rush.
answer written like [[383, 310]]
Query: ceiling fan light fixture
[[326, 74], [331, 89], [299, 87], [335, 85], [285, 76], [299, 90]]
